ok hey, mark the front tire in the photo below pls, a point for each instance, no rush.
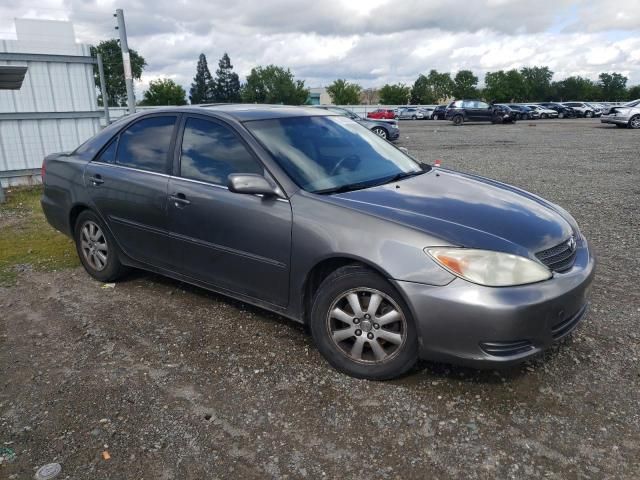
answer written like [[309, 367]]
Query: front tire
[[560, 115], [458, 120], [381, 132], [362, 326], [96, 248], [634, 122]]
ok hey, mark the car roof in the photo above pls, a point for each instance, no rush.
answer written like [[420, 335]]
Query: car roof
[[250, 111]]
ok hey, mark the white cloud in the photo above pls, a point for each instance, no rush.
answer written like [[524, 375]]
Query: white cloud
[[368, 41]]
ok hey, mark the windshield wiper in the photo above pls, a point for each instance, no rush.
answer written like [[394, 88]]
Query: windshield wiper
[[349, 187], [400, 176]]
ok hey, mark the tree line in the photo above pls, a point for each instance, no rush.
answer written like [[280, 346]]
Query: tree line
[[275, 84], [531, 84]]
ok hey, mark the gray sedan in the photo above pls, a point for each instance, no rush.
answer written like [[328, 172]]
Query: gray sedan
[[310, 215], [625, 116]]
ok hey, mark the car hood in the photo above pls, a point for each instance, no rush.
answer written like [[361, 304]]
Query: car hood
[[466, 210]]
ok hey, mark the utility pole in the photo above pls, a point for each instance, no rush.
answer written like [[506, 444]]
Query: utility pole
[[103, 90], [126, 60]]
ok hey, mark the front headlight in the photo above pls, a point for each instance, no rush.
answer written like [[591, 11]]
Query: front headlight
[[485, 267]]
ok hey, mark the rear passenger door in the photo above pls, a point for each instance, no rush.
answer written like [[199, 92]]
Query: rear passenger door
[[127, 183], [237, 242]]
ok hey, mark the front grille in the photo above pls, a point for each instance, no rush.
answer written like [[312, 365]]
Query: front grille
[[561, 257], [563, 328], [506, 349]]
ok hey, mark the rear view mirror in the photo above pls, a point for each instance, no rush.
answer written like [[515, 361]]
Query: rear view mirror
[[250, 183]]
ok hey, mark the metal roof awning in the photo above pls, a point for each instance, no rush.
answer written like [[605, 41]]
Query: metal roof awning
[[11, 77]]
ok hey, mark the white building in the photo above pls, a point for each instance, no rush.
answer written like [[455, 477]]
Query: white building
[[55, 108]]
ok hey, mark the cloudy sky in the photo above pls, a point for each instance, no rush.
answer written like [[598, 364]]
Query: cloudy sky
[[372, 42]]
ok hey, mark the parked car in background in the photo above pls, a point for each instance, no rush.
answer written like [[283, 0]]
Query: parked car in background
[[427, 112], [626, 116], [582, 109], [304, 213], [562, 110], [411, 113], [382, 114], [461, 111], [387, 129], [543, 112], [598, 109], [439, 112], [523, 112]]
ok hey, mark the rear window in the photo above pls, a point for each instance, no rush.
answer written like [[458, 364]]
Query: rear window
[[145, 144]]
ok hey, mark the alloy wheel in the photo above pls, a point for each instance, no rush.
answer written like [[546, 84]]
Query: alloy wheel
[[367, 325], [93, 244], [380, 132], [635, 122]]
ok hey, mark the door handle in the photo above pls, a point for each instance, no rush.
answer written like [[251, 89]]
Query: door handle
[[179, 200], [96, 180]]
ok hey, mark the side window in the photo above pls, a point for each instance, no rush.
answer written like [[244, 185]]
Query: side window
[[482, 105], [145, 144], [108, 155], [211, 152]]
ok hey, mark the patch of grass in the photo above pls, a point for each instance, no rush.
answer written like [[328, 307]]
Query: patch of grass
[[27, 240]]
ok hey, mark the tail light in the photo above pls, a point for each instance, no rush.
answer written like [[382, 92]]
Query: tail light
[[43, 170]]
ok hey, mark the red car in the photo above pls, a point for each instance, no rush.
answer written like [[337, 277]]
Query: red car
[[382, 114]]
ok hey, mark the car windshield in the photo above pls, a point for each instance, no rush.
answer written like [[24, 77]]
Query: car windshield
[[327, 154]]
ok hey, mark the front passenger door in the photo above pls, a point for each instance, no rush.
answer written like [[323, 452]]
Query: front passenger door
[[237, 242]]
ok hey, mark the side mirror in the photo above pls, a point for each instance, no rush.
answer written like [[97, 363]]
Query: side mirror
[[250, 183]]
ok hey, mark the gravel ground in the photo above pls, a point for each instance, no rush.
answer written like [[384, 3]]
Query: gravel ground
[[176, 382]]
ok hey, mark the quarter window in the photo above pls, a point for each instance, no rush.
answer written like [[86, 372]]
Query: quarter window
[[211, 152], [145, 144], [108, 155]]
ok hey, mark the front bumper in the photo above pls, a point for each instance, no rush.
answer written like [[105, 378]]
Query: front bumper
[[486, 327], [619, 120]]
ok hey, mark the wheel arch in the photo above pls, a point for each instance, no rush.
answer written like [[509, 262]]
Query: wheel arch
[[321, 270], [74, 213]]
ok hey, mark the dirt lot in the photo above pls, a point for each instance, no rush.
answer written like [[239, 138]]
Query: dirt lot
[[176, 382]]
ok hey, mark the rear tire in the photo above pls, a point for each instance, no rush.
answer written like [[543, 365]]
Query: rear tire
[[362, 326], [97, 249]]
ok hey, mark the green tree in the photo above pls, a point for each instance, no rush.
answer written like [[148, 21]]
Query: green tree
[[201, 90], [504, 86], [114, 71], [226, 86], [164, 92], [422, 92], [633, 93], [613, 86], [344, 93], [575, 88], [397, 94], [441, 84], [537, 83], [273, 84], [465, 85]]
